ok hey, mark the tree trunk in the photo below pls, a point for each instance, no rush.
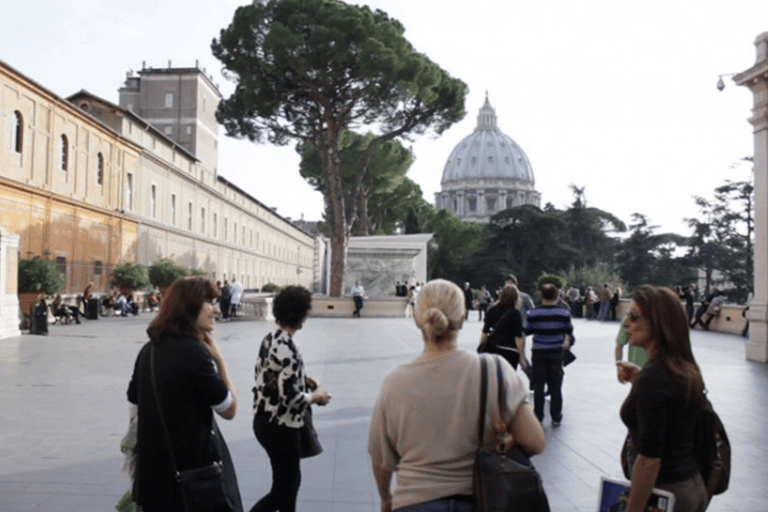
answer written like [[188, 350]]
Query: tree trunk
[[334, 197]]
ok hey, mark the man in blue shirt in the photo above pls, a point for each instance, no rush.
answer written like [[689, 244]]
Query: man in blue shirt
[[552, 332]]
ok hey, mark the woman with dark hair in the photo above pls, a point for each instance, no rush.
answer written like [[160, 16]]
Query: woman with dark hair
[[282, 394], [662, 407], [192, 381], [504, 328]]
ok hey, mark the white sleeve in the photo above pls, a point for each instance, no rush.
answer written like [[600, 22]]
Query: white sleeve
[[223, 406]]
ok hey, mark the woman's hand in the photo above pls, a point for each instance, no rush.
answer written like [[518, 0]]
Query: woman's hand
[[524, 363], [321, 397], [386, 505], [627, 372]]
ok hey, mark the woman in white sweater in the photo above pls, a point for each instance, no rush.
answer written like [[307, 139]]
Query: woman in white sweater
[[425, 421]]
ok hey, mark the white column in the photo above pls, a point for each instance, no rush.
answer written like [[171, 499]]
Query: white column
[[756, 79], [9, 302]]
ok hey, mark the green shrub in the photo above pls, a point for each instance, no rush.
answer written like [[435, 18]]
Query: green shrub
[[129, 275], [39, 275], [554, 279], [164, 272], [271, 288]]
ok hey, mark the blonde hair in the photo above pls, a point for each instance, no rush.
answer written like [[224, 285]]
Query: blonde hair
[[439, 310]]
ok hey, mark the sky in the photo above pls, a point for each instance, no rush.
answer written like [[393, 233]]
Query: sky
[[618, 97]]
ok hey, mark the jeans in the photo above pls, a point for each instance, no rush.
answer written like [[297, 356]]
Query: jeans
[[604, 308], [358, 304], [282, 446], [690, 495], [547, 368], [441, 505]]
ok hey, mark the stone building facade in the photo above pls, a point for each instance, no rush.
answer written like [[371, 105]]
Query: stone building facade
[[93, 184]]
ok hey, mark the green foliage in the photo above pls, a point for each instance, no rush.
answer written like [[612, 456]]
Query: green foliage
[[129, 275], [722, 239], [39, 275], [197, 272], [164, 272], [453, 243], [646, 257], [377, 195], [554, 279], [306, 70], [271, 288]]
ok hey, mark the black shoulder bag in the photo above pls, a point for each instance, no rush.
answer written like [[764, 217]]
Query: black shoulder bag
[[202, 489], [504, 481]]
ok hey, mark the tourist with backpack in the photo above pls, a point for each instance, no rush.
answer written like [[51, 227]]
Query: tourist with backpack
[[663, 408]]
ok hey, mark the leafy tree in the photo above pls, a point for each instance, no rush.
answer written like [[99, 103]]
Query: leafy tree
[[380, 191], [452, 246], [306, 70], [588, 230], [722, 238], [649, 257], [594, 276]]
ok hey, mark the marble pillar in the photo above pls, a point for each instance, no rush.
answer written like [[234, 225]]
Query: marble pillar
[[9, 302], [756, 79]]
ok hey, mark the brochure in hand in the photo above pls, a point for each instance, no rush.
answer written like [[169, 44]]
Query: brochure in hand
[[615, 493]]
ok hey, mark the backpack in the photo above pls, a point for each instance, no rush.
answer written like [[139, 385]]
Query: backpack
[[713, 450]]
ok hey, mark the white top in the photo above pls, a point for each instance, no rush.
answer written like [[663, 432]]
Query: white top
[[237, 292], [425, 423], [358, 290]]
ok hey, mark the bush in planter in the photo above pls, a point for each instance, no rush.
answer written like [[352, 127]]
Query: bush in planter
[[40, 276], [271, 288], [554, 279], [164, 272], [129, 275]]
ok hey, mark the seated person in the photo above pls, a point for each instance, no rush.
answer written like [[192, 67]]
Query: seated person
[[153, 301]]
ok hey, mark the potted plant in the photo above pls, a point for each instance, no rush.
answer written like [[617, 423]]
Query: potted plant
[[128, 277], [164, 272], [37, 276]]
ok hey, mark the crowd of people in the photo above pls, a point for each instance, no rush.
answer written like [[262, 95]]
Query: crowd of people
[[433, 466]]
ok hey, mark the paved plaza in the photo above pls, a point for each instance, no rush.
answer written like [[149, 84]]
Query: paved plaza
[[64, 412]]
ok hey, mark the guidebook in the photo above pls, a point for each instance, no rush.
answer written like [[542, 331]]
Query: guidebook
[[615, 493]]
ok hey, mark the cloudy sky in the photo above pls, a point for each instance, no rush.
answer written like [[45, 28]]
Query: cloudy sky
[[615, 96]]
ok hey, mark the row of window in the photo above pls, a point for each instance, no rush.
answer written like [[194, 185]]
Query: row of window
[[17, 144], [227, 235]]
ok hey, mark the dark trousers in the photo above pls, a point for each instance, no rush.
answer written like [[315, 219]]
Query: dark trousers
[[358, 304], [547, 368], [282, 446]]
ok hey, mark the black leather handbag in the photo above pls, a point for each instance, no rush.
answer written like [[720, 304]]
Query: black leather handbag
[[202, 489], [310, 444], [504, 482]]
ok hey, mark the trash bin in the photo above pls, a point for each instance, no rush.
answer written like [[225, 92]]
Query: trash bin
[[92, 309], [38, 318]]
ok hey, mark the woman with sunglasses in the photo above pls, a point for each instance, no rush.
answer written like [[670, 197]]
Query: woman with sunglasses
[[664, 402]]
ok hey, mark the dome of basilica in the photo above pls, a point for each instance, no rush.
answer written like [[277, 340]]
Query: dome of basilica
[[486, 172]]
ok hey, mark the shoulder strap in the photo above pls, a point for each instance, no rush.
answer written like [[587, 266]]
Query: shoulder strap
[[483, 394], [501, 318], [159, 408], [502, 391]]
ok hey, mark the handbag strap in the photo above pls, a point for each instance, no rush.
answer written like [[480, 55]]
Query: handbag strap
[[502, 392], [159, 408]]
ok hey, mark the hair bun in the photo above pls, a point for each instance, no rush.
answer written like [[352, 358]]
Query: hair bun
[[436, 321]]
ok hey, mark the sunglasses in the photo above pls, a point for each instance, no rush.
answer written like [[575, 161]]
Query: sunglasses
[[633, 315]]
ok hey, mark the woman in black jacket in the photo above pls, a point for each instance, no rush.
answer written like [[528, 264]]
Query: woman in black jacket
[[664, 402], [192, 382], [503, 329]]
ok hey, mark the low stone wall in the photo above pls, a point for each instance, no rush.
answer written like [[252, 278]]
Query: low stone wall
[[380, 307]]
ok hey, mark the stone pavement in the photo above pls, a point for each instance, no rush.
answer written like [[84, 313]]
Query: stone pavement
[[64, 412]]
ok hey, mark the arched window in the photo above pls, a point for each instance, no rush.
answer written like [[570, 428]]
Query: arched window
[[64, 153], [99, 169], [18, 132]]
